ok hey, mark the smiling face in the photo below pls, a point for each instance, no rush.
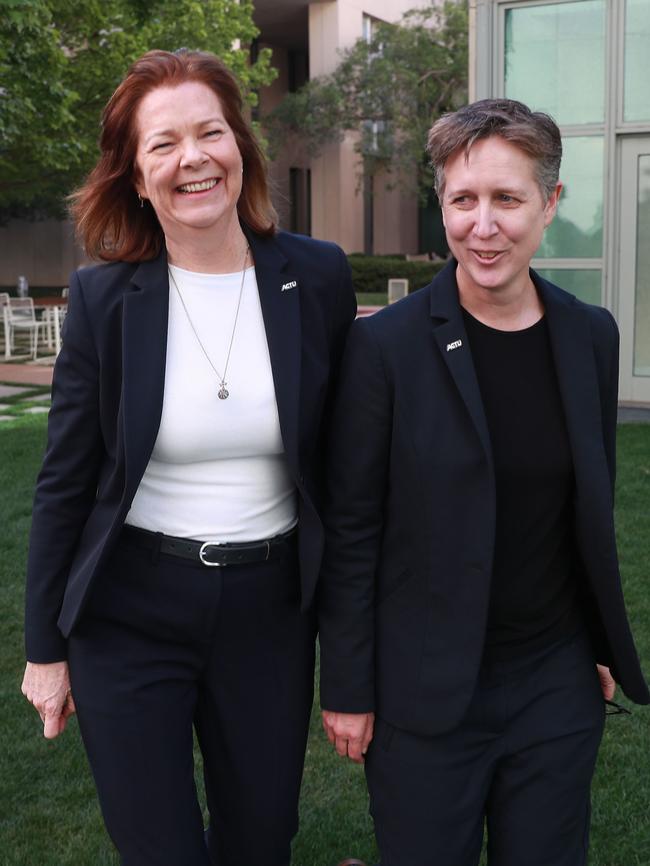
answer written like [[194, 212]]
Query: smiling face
[[494, 216], [188, 164]]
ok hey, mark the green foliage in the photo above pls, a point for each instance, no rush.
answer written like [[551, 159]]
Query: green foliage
[[59, 63], [371, 273], [388, 90]]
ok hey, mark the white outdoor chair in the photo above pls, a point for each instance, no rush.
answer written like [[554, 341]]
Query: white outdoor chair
[[4, 314], [52, 321], [63, 309], [23, 318], [59, 315]]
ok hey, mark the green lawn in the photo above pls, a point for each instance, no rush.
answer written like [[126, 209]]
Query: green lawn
[[48, 812], [372, 299], [33, 399]]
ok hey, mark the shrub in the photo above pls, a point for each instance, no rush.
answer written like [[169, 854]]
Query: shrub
[[371, 273]]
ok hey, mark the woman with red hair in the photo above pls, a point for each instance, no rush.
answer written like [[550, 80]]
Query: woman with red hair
[[176, 539]]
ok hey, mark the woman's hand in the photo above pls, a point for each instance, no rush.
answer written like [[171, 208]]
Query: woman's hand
[[349, 733], [48, 688], [607, 682]]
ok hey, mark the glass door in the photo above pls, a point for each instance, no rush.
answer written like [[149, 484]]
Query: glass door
[[634, 270]]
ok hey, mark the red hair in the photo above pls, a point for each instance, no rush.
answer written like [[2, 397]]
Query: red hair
[[106, 209]]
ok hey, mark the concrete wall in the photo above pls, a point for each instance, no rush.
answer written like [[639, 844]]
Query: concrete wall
[[337, 200], [480, 55], [45, 252], [279, 168], [293, 152], [395, 216]]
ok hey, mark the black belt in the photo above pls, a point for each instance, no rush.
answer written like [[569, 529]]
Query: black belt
[[210, 553]]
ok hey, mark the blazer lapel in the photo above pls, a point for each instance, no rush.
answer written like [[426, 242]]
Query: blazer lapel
[[279, 291], [144, 350], [451, 339]]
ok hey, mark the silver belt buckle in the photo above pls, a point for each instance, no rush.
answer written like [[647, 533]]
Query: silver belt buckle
[[205, 545]]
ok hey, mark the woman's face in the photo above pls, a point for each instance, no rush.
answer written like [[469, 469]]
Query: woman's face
[[494, 215], [188, 164]]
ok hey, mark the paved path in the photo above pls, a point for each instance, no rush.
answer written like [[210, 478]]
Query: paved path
[[366, 311], [21, 390], [633, 414], [26, 374]]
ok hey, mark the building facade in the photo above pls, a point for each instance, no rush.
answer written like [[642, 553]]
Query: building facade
[[327, 197], [586, 63]]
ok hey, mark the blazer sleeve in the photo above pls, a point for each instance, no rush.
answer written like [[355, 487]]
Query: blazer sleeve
[[605, 343], [67, 483], [341, 316], [346, 307], [607, 356], [359, 445]]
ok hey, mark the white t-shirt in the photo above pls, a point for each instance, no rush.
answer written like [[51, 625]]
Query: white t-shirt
[[218, 470]]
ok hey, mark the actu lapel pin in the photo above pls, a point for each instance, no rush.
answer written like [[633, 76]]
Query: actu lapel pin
[[455, 345], [290, 285]]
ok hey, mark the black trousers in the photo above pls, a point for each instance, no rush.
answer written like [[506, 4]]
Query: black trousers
[[521, 761], [166, 645]]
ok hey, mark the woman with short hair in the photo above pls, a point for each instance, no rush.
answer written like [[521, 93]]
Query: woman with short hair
[[471, 614]]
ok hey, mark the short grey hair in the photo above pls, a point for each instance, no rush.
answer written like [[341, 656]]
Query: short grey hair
[[534, 132]]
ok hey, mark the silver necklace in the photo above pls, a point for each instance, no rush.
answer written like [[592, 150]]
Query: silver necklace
[[223, 392]]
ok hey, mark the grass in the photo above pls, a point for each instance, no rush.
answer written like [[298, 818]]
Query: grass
[[372, 299], [30, 398], [48, 810]]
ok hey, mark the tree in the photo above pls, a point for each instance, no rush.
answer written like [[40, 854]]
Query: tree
[[60, 60], [389, 90]]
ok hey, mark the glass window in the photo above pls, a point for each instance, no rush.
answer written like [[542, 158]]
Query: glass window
[[555, 59], [577, 230], [637, 60], [585, 285], [366, 27], [642, 288]]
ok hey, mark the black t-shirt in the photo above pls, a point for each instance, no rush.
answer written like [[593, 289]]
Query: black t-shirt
[[533, 588]]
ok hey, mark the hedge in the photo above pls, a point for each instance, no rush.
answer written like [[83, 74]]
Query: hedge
[[371, 273]]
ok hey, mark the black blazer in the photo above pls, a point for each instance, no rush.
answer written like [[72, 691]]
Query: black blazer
[[411, 513], [107, 397]]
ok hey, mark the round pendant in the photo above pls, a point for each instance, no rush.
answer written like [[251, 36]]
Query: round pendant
[[223, 392]]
